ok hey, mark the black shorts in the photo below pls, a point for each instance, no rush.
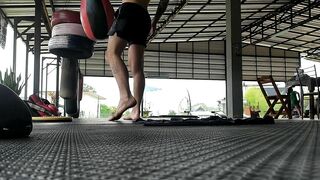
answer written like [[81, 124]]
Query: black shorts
[[132, 23]]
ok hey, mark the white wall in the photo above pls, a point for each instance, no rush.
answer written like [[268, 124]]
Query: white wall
[[89, 107]]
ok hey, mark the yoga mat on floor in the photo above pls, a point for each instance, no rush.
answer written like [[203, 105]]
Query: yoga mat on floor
[[52, 119]]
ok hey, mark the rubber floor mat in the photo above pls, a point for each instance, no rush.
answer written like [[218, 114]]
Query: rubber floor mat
[[208, 121], [284, 150]]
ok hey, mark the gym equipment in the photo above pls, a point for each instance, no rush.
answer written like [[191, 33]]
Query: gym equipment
[[71, 46], [209, 121], [69, 78], [46, 108], [65, 16], [257, 120], [71, 86], [52, 119], [68, 28], [72, 106], [68, 37], [37, 110], [97, 18], [15, 115]]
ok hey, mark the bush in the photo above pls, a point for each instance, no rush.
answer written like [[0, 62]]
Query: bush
[[14, 83]]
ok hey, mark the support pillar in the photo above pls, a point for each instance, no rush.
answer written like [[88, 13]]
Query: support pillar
[[27, 68], [41, 75], [37, 46], [14, 56], [57, 81], [234, 59]]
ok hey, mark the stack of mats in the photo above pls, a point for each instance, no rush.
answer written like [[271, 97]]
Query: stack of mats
[[209, 121], [52, 119]]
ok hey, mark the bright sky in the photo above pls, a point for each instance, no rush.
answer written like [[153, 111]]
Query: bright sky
[[160, 95], [163, 95], [7, 56]]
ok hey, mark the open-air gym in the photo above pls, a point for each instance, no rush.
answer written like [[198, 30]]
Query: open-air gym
[[234, 41]]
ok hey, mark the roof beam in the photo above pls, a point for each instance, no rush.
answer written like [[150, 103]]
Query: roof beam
[[300, 35], [260, 10], [314, 51], [25, 31], [290, 27], [10, 22], [276, 22], [45, 16], [173, 13], [52, 6], [221, 18], [272, 15], [210, 25], [203, 6]]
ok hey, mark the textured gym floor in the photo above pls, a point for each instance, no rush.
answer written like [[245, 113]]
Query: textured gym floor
[[94, 149]]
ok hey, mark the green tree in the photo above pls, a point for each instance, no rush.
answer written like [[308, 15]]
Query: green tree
[[88, 88], [256, 99], [106, 111], [172, 112]]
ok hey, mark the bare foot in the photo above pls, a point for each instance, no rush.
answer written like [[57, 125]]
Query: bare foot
[[124, 104], [132, 118], [134, 115]]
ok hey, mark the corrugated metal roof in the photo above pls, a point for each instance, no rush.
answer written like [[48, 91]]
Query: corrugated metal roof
[[286, 24]]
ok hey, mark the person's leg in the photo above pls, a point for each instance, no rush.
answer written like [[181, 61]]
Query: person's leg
[[116, 46], [299, 110], [135, 57]]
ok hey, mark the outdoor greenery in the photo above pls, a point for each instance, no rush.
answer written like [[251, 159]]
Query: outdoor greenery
[[253, 96], [172, 113], [12, 81], [107, 111], [88, 88], [256, 100]]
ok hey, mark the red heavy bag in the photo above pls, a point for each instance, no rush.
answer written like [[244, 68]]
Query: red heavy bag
[[65, 16], [96, 17]]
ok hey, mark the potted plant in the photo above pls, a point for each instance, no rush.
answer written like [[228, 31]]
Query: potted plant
[[14, 83]]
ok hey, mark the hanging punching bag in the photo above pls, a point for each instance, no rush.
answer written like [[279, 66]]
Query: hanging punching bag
[[68, 37], [96, 17]]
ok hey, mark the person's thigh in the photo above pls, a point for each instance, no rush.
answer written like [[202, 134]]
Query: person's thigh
[[116, 45]]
